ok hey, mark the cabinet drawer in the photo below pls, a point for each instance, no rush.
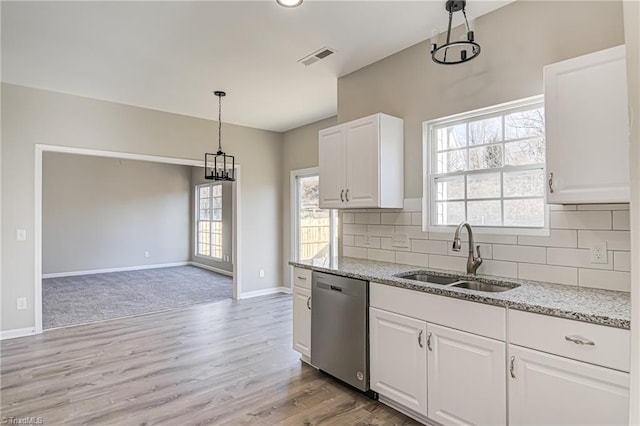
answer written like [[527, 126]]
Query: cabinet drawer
[[593, 343], [302, 277]]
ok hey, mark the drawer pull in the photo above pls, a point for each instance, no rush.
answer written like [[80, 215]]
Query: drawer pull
[[302, 278], [309, 303], [579, 340], [513, 367]]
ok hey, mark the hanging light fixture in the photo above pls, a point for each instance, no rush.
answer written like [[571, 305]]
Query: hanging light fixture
[[455, 52], [289, 3], [219, 166]]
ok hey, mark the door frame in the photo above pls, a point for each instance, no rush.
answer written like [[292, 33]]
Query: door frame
[[40, 149]]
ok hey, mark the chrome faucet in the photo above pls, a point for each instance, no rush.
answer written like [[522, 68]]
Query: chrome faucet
[[473, 263]]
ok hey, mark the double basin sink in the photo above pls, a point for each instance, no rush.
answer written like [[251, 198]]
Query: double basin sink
[[426, 277]]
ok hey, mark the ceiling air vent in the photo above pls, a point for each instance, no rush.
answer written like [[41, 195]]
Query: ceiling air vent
[[316, 56]]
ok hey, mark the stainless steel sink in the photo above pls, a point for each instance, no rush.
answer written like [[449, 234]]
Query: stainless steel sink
[[428, 278], [479, 286]]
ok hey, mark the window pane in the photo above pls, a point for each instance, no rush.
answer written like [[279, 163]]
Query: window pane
[[204, 204], [526, 213], [450, 213], [484, 185], [452, 137], [524, 152], [486, 157], [204, 249], [524, 124], [203, 226], [204, 191], [524, 184], [485, 213], [314, 233], [450, 188], [217, 214], [452, 161], [216, 190], [217, 202], [485, 131], [205, 214]]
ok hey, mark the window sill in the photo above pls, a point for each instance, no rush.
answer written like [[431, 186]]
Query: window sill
[[486, 230]]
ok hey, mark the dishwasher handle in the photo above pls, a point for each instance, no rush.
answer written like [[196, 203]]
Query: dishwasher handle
[[335, 288]]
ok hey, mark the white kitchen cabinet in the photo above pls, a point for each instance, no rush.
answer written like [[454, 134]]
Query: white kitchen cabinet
[[302, 320], [398, 359], [466, 378], [361, 163], [546, 389], [587, 129]]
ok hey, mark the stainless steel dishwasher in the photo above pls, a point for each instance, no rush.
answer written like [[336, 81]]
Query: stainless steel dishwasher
[[340, 328]]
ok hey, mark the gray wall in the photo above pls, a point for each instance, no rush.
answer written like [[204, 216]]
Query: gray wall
[[197, 178], [300, 151], [100, 213], [517, 40], [33, 116]]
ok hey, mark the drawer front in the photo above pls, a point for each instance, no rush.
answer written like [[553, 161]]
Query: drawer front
[[473, 317], [302, 277], [593, 343]]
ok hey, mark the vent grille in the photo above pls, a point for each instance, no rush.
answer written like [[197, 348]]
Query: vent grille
[[316, 56]]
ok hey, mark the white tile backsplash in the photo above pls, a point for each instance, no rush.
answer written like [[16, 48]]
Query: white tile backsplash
[[562, 257]]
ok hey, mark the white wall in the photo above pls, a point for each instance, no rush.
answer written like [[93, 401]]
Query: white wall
[[33, 116], [100, 213]]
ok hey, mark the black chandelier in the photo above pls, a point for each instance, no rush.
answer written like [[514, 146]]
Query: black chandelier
[[219, 166], [455, 52]]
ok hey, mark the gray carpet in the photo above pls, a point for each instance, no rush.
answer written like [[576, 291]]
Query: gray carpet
[[88, 298]]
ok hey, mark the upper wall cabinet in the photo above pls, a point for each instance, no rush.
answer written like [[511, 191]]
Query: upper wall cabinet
[[587, 129], [361, 163]]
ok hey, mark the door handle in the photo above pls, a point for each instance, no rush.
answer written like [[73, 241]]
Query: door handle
[[512, 368], [333, 287], [342, 195], [346, 195], [551, 182], [429, 342], [420, 339], [309, 303]]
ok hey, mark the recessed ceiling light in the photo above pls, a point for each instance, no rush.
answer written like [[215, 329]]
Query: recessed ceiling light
[[289, 3]]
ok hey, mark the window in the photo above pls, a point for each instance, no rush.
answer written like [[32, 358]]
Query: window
[[315, 229], [487, 167], [209, 218]]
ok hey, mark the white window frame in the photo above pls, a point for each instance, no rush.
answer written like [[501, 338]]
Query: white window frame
[[197, 219], [295, 219], [429, 158]]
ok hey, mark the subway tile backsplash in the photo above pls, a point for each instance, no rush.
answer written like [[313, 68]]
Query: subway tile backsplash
[[563, 257]]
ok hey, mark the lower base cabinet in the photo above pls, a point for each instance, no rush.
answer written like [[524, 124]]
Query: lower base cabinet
[[398, 359], [466, 378], [547, 389], [302, 320]]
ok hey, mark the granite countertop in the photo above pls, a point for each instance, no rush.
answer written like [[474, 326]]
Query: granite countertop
[[605, 307]]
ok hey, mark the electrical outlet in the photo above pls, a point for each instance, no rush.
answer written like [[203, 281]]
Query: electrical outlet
[[21, 303], [261, 273], [400, 239], [599, 252], [367, 238], [21, 235], [146, 254]]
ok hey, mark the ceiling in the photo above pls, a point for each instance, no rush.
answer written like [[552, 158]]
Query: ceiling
[[171, 55]]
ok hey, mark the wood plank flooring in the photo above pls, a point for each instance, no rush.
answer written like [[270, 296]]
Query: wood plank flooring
[[227, 363]]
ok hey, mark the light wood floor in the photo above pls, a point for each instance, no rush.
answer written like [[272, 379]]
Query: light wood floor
[[222, 363]]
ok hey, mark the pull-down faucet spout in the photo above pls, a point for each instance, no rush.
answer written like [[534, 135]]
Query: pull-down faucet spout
[[473, 263]]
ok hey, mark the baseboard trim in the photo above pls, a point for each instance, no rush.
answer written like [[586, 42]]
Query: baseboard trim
[[107, 270], [264, 292], [404, 410], [18, 332], [211, 268]]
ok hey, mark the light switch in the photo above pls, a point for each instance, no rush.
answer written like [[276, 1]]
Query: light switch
[[21, 235], [400, 239]]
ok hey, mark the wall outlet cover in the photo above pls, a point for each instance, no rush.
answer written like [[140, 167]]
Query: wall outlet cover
[[21, 303], [146, 254], [261, 273], [599, 252], [21, 235], [400, 239]]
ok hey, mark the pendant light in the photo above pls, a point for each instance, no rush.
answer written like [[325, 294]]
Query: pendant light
[[289, 3], [219, 166], [455, 52]]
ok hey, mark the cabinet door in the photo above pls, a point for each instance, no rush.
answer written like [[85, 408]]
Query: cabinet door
[[302, 320], [546, 389], [362, 162], [587, 130], [332, 167], [466, 378], [398, 359]]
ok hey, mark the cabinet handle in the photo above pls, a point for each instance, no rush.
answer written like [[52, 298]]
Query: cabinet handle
[[551, 182], [420, 339], [513, 367], [579, 340], [309, 303], [302, 278], [346, 195], [429, 341], [342, 195]]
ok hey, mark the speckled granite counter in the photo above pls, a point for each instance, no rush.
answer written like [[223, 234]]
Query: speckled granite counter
[[604, 307]]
